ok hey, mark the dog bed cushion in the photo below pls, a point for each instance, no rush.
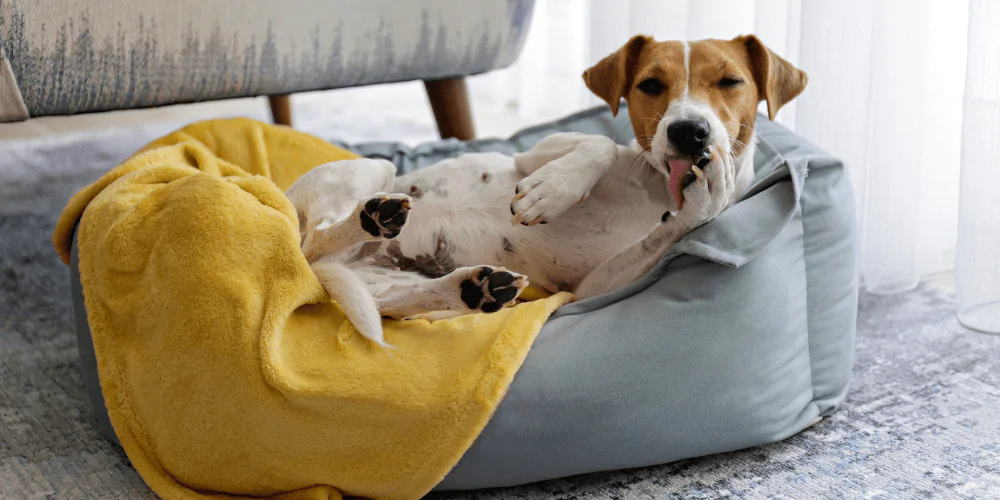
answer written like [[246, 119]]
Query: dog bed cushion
[[743, 335], [225, 367]]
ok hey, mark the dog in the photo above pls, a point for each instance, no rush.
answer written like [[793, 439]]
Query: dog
[[576, 213]]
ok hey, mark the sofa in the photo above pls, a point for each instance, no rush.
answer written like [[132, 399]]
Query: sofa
[[62, 57]]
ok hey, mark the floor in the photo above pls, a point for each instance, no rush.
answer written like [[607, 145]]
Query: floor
[[398, 112]]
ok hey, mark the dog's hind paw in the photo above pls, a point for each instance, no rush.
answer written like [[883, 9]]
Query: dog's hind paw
[[489, 289], [385, 214]]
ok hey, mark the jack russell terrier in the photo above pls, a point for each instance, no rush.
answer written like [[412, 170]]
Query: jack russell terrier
[[576, 213]]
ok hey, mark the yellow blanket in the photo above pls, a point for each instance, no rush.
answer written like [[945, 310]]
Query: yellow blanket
[[226, 369]]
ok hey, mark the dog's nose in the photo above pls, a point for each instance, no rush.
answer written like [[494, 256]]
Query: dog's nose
[[689, 137]]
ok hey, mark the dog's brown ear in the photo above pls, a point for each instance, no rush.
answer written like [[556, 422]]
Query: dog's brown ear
[[610, 78], [778, 82]]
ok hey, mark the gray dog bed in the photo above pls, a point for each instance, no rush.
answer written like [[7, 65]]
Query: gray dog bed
[[742, 335]]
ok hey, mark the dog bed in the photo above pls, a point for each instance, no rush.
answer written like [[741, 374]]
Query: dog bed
[[742, 335]]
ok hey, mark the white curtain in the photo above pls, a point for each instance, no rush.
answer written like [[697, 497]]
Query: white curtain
[[885, 93], [979, 216]]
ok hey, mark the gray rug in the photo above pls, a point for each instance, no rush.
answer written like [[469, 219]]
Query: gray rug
[[922, 419]]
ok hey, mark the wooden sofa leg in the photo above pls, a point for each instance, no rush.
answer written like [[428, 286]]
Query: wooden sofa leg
[[450, 101], [281, 109]]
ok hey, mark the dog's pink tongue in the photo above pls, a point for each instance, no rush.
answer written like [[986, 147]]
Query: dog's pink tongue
[[678, 169]]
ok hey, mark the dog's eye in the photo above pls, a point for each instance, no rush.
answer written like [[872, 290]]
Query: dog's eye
[[727, 82], [651, 86]]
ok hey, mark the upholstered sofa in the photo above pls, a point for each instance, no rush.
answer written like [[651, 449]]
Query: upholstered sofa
[[60, 57]]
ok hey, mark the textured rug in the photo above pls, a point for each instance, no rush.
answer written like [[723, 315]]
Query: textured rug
[[922, 419]]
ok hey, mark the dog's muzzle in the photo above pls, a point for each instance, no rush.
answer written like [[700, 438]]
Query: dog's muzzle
[[689, 139]]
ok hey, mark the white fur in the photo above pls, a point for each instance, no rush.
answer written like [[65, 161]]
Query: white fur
[[596, 197], [601, 204], [347, 290], [548, 192], [687, 70]]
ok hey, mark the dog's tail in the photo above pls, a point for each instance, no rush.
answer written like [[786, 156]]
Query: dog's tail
[[347, 289]]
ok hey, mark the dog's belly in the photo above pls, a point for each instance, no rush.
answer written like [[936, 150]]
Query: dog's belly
[[461, 217]]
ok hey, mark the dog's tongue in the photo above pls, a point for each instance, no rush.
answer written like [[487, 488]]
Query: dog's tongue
[[678, 169]]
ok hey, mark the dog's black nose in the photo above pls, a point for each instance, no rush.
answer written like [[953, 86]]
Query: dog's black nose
[[689, 137]]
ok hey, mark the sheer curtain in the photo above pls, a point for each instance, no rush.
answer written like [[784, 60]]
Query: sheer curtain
[[979, 216], [885, 93]]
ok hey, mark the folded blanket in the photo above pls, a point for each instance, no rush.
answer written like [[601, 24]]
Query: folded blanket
[[226, 369]]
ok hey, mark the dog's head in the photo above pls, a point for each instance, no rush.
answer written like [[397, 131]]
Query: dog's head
[[688, 99]]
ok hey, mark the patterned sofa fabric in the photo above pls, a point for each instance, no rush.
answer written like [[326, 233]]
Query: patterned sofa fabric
[[73, 56]]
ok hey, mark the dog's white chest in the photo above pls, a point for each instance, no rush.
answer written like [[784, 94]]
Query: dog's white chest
[[462, 217]]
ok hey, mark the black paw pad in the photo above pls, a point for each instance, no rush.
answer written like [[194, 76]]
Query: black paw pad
[[390, 207], [396, 221], [472, 294], [368, 224], [502, 278], [489, 290], [490, 307], [705, 160], [505, 294], [384, 217], [689, 178]]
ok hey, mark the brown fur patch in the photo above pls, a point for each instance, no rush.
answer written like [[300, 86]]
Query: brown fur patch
[[763, 76], [486, 177], [302, 222], [433, 265]]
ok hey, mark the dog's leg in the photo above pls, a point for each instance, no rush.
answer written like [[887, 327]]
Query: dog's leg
[[342, 204], [332, 191], [402, 294], [339, 206], [631, 264], [381, 216], [559, 172], [706, 195]]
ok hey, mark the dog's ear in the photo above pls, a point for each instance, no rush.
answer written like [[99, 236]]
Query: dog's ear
[[610, 78], [778, 82]]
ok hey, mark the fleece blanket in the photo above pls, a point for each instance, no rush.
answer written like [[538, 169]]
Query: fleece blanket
[[226, 368]]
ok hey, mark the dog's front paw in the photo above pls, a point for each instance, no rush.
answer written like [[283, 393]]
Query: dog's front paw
[[384, 215], [545, 195], [707, 192], [489, 289]]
